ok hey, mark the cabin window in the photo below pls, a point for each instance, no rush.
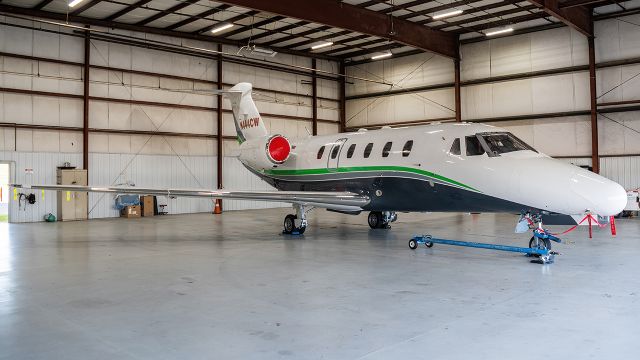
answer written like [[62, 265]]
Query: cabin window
[[351, 150], [320, 152], [367, 150], [473, 146], [455, 147], [334, 152], [386, 149], [406, 150]]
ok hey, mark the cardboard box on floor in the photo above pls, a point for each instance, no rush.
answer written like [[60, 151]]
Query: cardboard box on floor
[[148, 207], [131, 211]]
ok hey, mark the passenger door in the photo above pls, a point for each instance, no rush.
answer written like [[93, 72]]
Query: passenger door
[[334, 154]]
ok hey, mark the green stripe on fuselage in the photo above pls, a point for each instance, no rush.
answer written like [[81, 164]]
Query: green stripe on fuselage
[[322, 171]]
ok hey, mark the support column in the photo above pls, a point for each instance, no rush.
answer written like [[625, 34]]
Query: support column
[[342, 96], [595, 157], [85, 110], [314, 97], [456, 65], [219, 138]]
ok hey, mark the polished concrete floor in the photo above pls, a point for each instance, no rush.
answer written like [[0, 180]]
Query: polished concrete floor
[[231, 287]]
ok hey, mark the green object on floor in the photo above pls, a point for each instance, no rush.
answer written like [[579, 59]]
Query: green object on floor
[[50, 218]]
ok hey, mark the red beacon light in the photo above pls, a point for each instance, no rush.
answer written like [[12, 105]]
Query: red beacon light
[[278, 149]]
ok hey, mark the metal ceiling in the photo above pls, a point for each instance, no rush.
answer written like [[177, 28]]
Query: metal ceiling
[[196, 19]]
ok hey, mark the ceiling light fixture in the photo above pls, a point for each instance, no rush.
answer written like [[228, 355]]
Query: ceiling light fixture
[[446, 14], [500, 31], [75, 2], [221, 27], [321, 45], [262, 51], [381, 56]]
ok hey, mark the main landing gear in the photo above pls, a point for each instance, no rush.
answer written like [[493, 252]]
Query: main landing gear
[[296, 224], [381, 219]]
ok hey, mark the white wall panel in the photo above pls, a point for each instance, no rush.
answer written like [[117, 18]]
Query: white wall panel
[[543, 50], [623, 170], [237, 177], [616, 39], [155, 171], [563, 136], [619, 133], [44, 172], [407, 107], [404, 72]]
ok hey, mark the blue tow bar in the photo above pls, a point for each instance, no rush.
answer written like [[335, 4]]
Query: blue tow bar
[[542, 249]]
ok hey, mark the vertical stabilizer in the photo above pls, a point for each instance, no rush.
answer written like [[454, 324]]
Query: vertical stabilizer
[[249, 124]]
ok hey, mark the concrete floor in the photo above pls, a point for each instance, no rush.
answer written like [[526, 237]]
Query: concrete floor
[[232, 287]]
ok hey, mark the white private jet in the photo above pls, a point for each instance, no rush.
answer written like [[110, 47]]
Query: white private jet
[[455, 167]]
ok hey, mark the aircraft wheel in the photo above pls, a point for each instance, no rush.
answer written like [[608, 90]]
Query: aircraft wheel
[[289, 223], [413, 244], [375, 219], [428, 244], [301, 230], [541, 244]]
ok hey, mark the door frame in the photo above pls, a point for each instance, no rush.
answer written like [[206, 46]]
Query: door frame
[[12, 180], [340, 142]]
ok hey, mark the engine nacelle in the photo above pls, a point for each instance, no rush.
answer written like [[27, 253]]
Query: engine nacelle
[[266, 152]]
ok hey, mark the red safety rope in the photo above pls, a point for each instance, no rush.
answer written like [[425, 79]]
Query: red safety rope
[[588, 217]]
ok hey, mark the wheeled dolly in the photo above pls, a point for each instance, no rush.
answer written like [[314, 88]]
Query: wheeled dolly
[[539, 245]]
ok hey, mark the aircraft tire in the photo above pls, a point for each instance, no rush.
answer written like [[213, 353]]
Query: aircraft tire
[[546, 244], [289, 224], [375, 220]]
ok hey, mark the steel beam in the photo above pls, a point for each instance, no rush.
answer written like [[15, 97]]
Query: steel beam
[[456, 90], [85, 7], [219, 139], [314, 98], [42, 4], [199, 16], [354, 18], [342, 96], [85, 101], [579, 18], [108, 23], [574, 3], [127, 10], [162, 13], [595, 158]]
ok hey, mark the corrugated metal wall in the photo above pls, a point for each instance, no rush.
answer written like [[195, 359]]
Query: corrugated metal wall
[[44, 172], [155, 171], [158, 171]]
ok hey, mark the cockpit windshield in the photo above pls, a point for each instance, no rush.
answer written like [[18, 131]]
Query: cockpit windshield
[[503, 142]]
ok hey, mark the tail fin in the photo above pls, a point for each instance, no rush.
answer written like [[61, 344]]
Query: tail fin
[[249, 124]]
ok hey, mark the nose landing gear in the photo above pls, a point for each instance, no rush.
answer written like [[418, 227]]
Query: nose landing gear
[[381, 220]]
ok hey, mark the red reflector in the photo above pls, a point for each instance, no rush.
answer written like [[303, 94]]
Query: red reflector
[[279, 148]]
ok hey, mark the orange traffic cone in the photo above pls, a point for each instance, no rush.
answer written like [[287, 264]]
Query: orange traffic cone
[[218, 208]]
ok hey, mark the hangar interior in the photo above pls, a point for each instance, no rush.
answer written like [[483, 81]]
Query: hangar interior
[[124, 90]]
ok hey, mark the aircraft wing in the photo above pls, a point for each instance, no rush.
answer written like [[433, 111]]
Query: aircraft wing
[[345, 201]]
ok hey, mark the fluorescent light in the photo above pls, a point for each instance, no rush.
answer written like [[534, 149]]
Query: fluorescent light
[[221, 27], [498, 32], [75, 2], [262, 51], [321, 45], [381, 56], [446, 14]]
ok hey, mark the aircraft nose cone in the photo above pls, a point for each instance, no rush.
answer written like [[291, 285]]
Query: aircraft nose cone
[[613, 200], [602, 196]]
